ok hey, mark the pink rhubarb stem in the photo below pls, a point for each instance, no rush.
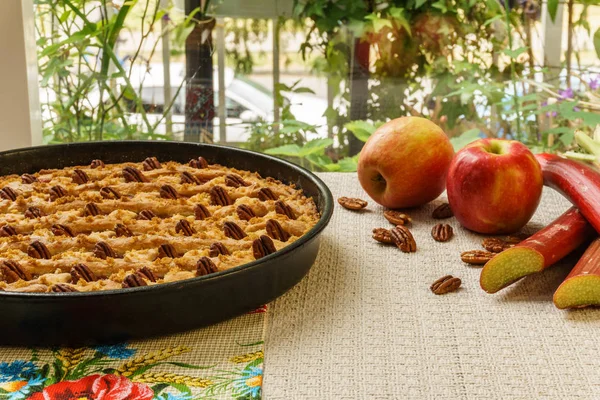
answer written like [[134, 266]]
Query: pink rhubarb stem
[[561, 237], [576, 181]]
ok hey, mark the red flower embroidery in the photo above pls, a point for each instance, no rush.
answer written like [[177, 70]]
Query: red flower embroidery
[[96, 387]]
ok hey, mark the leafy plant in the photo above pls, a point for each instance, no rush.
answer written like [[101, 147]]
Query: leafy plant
[[88, 88], [458, 142], [265, 135], [314, 154], [468, 66], [362, 129]]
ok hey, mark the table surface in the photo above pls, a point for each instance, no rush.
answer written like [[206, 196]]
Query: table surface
[[364, 324]]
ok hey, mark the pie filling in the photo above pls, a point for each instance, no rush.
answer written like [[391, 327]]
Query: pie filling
[[111, 226]]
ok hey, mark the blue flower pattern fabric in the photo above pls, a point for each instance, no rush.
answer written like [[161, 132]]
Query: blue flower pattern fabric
[[164, 369]]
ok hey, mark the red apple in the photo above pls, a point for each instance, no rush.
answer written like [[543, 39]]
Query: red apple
[[405, 162], [494, 186]]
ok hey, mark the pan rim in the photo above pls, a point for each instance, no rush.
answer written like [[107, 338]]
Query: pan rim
[[326, 214]]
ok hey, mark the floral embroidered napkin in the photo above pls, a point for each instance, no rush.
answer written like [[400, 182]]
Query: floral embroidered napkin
[[223, 361]]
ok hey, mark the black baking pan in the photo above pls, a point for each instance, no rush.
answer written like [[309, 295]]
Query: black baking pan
[[119, 315]]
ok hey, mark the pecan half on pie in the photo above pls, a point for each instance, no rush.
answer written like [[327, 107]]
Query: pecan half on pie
[[110, 226]]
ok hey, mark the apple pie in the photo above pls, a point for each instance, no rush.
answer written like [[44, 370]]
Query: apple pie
[[111, 226]]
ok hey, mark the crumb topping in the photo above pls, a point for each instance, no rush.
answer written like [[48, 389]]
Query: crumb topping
[[111, 226]]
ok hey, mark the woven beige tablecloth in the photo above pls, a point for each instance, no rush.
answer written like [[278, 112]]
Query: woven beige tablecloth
[[364, 325]]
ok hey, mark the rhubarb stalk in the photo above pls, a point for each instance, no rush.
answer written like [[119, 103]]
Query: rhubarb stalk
[[537, 252], [582, 287], [578, 182]]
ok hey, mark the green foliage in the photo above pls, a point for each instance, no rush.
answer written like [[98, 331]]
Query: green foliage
[[552, 9], [288, 139], [597, 42], [413, 43], [476, 57], [243, 33], [314, 153], [315, 146], [466, 65], [289, 132], [362, 129], [465, 138], [87, 89]]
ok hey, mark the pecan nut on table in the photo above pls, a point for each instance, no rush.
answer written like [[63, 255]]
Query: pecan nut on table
[[476, 257], [496, 245], [443, 211], [351, 203], [442, 232], [445, 284], [397, 217], [401, 236]]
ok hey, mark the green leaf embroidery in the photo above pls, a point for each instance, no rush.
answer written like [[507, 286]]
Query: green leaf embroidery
[[185, 365], [159, 387], [182, 388], [250, 344], [254, 363]]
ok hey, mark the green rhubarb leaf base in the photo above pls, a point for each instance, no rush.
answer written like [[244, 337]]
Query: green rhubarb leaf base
[[578, 292], [510, 266]]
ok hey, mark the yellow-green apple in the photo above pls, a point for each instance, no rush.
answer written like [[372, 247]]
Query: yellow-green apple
[[494, 186], [405, 162]]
